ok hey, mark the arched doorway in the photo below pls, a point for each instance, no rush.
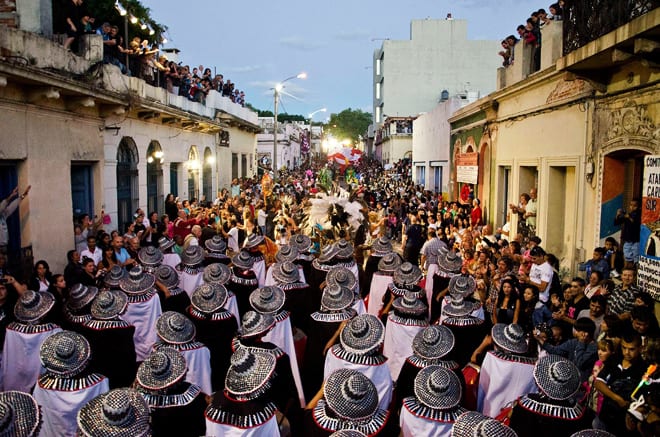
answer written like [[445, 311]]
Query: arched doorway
[[154, 178], [207, 175], [193, 173], [127, 182]]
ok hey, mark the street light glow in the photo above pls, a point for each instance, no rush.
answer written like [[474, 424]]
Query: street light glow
[[133, 19], [279, 87], [302, 75], [122, 11]]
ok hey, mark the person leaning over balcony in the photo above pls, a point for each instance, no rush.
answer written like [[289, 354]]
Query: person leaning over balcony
[[73, 21]]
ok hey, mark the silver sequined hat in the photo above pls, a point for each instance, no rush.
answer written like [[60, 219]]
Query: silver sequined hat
[[250, 373], [557, 377], [341, 276], [409, 305], [362, 335], [243, 260], [253, 240], [381, 247], [216, 244], [336, 298], [287, 252], [165, 243], [167, 276], [327, 253], [449, 261], [254, 324], [217, 273], [137, 282], [302, 242], [350, 395], [389, 263], [473, 424], [109, 304], [286, 273], [462, 285], [121, 412], [150, 256], [345, 249], [65, 354], [209, 298], [348, 433], [33, 306], [267, 300], [20, 415], [592, 433], [458, 307], [437, 388], [511, 337], [80, 296], [193, 256], [175, 328], [407, 275], [161, 369], [112, 278], [433, 342]]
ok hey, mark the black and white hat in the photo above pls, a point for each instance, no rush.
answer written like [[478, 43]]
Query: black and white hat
[[114, 276], [336, 298], [175, 328], [437, 388], [302, 242], [341, 276], [350, 395], [462, 285], [433, 342], [192, 257], [409, 305], [592, 433], [286, 273], [80, 296], [165, 243], [65, 354], [161, 369], [167, 276], [449, 261], [389, 263], [33, 306], [287, 252], [458, 307], [407, 275], [267, 300], [348, 433], [243, 260], [217, 273], [362, 335], [122, 412], [254, 324], [216, 244], [20, 415], [328, 253], [473, 424], [253, 240], [511, 337], [137, 282], [209, 298], [150, 256], [557, 377], [250, 373], [109, 304], [381, 247], [344, 249]]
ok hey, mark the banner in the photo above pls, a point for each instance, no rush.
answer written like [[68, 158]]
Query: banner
[[467, 168], [648, 275]]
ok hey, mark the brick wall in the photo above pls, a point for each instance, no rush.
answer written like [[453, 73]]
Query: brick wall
[[8, 15]]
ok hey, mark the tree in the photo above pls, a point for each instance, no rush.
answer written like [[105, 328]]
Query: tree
[[348, 124]]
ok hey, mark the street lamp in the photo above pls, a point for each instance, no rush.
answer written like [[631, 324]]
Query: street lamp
[[276, 95], [311, 116]]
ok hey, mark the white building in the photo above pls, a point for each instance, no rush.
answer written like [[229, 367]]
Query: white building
[[289, 138]]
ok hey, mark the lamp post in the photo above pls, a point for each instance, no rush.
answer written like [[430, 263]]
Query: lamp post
[[311, 116], [276, 95]]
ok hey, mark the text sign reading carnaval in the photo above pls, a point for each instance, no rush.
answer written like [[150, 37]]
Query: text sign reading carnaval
[[648, 276]]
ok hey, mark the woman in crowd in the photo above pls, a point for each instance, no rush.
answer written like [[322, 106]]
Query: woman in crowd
[[507, 308], [42, 277]]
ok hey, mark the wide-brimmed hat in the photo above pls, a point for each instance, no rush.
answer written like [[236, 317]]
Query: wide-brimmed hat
[[122, 412], [217, 273], [473, 424], [254, 324], [250, 372], [167, 276], [113, 276], [267, 300], [557, 377], [65, 354], [137, 282], [161, 369], [407, 275], [433, 342], [109, 304], [449, 261], [287, 252], [20, 415], [175, 328], [363, 334], [348, 433], [593, 433], [341, 276], [437, 388], [389, 263], [165, 243], [409, 305], [150, 256], [81, 295], [253, 240], [285, 273], [243, 260], [216, 244], [381, 247], [345, 249], [302, 242], [462, 285], [33, 306], [511, 337], [336, 298], [327, 253], [458, 307], [350, 395], [192, 256], [209, 298]]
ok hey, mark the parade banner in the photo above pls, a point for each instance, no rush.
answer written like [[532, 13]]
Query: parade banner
[[648, 275], [467, 168]]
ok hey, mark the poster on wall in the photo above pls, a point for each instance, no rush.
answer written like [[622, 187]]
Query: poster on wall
[[648, 276], [467, 167]]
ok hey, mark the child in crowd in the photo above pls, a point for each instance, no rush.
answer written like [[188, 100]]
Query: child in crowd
[[594, 398]]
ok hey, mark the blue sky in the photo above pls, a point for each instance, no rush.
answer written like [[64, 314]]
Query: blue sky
[[257, 43]]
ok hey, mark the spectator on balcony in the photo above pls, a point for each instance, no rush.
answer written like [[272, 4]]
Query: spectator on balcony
[[73, 21], [114, 49], [512, 41], [185, 81], [228, 89], [218, 82], [543, 18], [533, 27], [505, 53], [206, 74], [172, 78], [556, 12]]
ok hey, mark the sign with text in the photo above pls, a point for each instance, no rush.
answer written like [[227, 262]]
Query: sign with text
[[648, 275], [467, 168]]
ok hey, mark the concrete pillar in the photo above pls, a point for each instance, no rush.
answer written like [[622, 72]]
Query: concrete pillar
[[35, 16], [552, 37]]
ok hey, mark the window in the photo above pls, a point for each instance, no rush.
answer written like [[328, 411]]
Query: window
[[378, 90]]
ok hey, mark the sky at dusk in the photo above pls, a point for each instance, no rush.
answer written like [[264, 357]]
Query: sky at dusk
[[257, 43]]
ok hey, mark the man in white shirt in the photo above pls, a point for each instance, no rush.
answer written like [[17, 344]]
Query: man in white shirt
[[540, 274], [92, 251]]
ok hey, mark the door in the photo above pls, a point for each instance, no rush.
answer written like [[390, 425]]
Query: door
[[154, 178], [82, 189], [127, 182]]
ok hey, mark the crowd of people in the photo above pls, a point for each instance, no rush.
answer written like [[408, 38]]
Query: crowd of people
[[389, 312]]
